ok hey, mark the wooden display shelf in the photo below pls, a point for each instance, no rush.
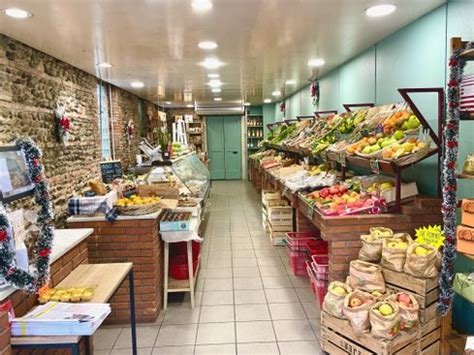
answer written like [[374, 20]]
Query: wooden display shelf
[[182, 285]]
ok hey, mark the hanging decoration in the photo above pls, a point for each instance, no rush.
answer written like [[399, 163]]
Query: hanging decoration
[[39, 271], [283, 108], [129, 132], [449, 207], [315, 93], [63, 125]]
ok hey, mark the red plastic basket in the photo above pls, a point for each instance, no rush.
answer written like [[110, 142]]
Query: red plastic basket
[[321, 290], [312, 278], [179, 267], [321, 263], [317, 246], [181, 248], [297, 260], [297, 240]]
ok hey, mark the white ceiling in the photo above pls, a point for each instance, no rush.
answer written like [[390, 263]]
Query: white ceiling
[[262, 42]]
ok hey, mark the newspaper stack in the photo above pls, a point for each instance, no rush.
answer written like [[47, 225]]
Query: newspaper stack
[[57, 318]]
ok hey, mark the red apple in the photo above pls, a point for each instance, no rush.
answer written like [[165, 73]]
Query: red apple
[[343, 189], [333, 190], [404, 298]]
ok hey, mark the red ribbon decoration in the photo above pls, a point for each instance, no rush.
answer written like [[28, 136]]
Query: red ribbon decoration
[[3, 235], [44, 252]]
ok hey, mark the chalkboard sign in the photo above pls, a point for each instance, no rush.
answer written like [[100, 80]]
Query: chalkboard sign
[[110, 170]]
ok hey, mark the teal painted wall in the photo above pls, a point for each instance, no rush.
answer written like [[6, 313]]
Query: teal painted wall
[[414, 56]]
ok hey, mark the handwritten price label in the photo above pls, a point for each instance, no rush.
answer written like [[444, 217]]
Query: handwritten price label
[[374, 166]]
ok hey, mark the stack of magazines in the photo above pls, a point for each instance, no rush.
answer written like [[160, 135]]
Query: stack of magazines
[[56, 318]]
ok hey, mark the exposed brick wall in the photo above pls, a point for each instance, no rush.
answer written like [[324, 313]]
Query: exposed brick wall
[[32, 83], [135, 241]]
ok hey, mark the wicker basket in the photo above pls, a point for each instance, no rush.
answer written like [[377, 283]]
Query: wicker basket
[[139, 210]]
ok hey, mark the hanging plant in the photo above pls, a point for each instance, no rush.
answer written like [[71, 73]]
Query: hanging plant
[[38, 276], [315, 93], [129, 133], [449, 208], [63, 125]]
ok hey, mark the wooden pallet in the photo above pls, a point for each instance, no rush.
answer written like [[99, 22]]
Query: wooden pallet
[[338, 337]]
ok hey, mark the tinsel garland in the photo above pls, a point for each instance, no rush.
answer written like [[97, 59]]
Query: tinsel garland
[[39, 275], [450, 155]]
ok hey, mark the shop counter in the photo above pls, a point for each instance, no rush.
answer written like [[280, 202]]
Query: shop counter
[[132, 239]]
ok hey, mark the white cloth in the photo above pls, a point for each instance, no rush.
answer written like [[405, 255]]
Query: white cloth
[[184, 236]]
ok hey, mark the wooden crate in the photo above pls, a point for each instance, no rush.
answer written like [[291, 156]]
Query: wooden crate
[[278, 238], [338, 337], [280, 216]]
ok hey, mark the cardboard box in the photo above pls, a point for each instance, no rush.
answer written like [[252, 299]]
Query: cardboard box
[[465, 240], [467, 209]]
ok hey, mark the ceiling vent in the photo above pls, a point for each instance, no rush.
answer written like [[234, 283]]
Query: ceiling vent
[[220, 109]]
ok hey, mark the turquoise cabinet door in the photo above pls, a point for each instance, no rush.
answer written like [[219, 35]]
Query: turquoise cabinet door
[[215, 147], [233, 147]]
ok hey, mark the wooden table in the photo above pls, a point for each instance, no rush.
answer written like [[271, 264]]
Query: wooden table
[[108, 278]]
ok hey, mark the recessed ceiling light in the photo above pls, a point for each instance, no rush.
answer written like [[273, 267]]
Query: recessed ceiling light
[[267, 101], [216, 90], [211, 63], [290, 82], [276, 93], [137, 84], [380, 10], [218, 99], [215, 83], [247, 104], [190, 106], [201, 5], [19, 14], [207, 45], [213, 75], [168, 102], [316, 62], [104, 65]]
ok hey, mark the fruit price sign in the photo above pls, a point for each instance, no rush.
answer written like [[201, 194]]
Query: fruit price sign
[[374, 166], [431, 235]]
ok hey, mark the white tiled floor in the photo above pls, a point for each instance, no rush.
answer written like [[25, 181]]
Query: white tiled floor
[[247, 299]]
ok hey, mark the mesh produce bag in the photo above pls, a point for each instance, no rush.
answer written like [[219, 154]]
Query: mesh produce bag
[[384, 326], [357, 305], [334, 299], [408, 309], [393, 254], [366, 276], [422, 261]]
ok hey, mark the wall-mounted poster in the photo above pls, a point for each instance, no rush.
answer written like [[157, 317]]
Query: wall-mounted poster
[[14, 177], [162, 116], [188, 118]]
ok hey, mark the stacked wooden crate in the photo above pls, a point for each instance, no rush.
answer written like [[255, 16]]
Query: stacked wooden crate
[[277, 216], [338, 337]]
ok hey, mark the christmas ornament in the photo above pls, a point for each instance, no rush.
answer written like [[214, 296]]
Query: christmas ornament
[[63, 125], [29, 281], [283, 108], [129, 132], [449, 180], [315, 93]]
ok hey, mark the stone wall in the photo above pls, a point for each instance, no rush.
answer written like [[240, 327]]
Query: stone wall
[[32, 83]]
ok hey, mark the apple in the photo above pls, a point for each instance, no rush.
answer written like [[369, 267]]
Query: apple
[[404, 304], [343, 189], [402, 245], [340, 291], [385, 309], [376, 293], [333, 190], [403, 297], [392, 245], [355, 302], [421, 251]]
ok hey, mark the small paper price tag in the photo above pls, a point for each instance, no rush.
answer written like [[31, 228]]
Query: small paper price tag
[[379, 129], [364, 132], [306, 160], [374, 166], [337, 135]]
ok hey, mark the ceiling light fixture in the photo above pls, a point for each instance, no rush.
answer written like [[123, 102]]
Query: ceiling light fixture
[[290, 82], [168, 102], [16, 13], [104, 65], [201, 5], [216, 90], [316, 62], [213, 76], [276, 93], [380, 10], [211, 63], [207, 45], [218, 99], [190, 106], [267, 101], [137, 84], [215, 83], [247, 104]]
